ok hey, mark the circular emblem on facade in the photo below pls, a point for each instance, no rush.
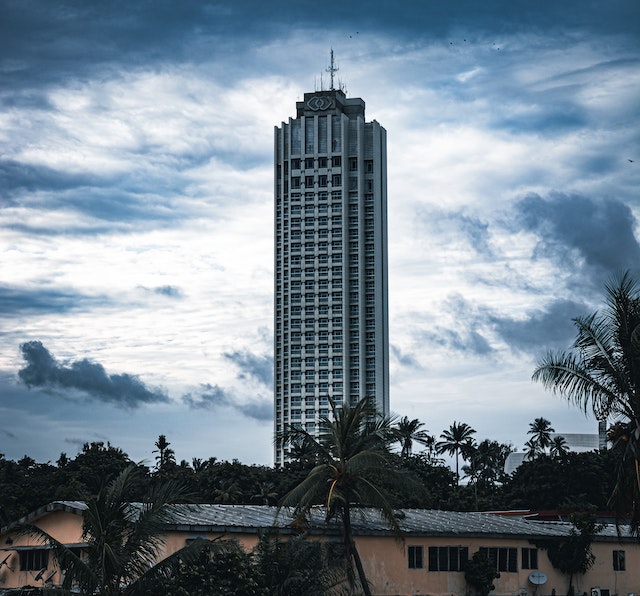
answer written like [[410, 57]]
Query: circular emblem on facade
[[319, 103]]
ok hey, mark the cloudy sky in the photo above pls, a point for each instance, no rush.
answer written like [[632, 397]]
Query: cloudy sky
[[136, 206]]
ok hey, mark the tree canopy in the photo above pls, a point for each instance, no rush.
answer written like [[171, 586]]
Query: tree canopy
[[352, 466], [601, 372]]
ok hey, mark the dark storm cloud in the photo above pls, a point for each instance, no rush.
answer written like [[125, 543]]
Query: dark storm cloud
[[44, 372], [7, 433], [252, 366], [534, 332], [470, 341], [110, 209], [207, 397], [573, 229], [210, 397], [403, 358], [550, 328], [89, 191], [16, 176], [475, 230], [51, 41], [550, 118], [458, 225], [16, 300]]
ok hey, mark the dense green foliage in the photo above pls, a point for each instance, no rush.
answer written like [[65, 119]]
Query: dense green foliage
[[352, 469], [122, 542], [457, 441], [568, 481], [601, 372], [558, 480], [480, 573], [228, 573], [274, 568], [572, 555]]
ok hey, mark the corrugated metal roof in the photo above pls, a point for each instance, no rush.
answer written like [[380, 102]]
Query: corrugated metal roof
[[417, 522]]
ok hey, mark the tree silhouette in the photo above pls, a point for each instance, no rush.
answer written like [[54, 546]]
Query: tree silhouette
[[266, 492], [540, 430], [408, 432], [573, 554], [601, 373], [122, 542], [559, 447], [457, 440], [352, 467], [165, 455]]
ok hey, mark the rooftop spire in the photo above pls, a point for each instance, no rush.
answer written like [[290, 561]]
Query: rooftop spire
[[332, 69]]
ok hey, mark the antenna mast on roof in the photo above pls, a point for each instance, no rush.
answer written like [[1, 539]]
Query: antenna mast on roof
[[332, 70]]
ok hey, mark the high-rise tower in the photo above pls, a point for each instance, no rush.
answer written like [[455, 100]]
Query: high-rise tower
[[331, 311]]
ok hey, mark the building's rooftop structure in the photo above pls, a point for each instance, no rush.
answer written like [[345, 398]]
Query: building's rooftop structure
[[367, 522]]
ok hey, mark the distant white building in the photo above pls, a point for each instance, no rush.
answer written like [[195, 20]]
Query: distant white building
[[331, 311], [578, 442]]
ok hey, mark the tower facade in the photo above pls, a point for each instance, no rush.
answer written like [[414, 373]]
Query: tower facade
[[331, 305]]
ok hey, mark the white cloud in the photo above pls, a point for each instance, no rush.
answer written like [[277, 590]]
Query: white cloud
[[169, 165]]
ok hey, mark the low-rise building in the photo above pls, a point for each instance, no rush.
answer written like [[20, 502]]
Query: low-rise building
[[428, 558]]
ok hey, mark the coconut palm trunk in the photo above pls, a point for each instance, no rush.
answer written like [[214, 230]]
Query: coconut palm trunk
[[352, 550], [352, 470]]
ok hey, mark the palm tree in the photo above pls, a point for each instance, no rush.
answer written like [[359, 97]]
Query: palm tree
[[228, 492], [473, 472], [458, 440], [199, 465], [532, 449], [559, 447], [352, 458], [540, 430], [601, 373], [122, 540], [165, 455], [409, 431], [266, 492], [489, 458]]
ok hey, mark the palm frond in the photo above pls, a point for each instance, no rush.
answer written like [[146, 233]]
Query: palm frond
[[186, 556], [73, 568], [566, 374]]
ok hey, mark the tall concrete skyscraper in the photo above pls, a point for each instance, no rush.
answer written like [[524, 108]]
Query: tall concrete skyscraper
[[331, 305]]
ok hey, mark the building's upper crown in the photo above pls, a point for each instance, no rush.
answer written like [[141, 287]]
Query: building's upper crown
[[333, 101]]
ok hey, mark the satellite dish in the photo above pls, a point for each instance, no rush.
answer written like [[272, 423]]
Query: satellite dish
[[537, 578]]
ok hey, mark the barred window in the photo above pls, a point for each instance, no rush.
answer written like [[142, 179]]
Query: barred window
[[529, 558], [415, 556], [34, 559], [504, 558], [619, 563], [448, 558]]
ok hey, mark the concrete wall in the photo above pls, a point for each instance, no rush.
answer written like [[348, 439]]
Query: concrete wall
[[385, 561], [387, 566], [64, 526]]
